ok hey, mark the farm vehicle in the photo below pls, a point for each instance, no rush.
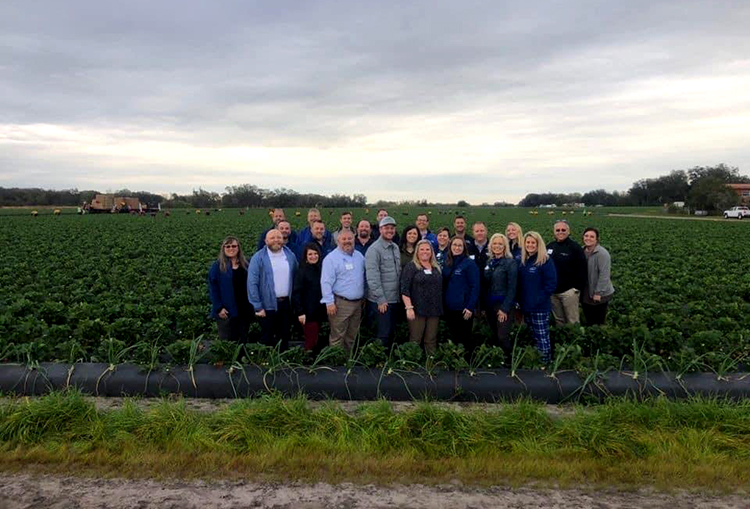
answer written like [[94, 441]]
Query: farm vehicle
[[109, 203]]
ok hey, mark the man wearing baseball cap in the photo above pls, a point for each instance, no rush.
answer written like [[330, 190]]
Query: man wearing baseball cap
[[383, 271]]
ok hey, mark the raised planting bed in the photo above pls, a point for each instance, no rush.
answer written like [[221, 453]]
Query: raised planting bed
[[359, 383]]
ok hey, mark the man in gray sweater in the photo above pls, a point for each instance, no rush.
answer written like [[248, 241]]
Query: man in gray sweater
[[383, 272]]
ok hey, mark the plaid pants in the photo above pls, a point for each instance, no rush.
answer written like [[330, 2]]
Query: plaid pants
[[539, 325]]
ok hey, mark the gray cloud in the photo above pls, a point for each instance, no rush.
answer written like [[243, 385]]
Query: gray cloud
[[577, 94]]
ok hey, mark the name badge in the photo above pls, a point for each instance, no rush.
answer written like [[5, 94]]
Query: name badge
[[427, 271], [349, 266], [550, 251], [471, 256]]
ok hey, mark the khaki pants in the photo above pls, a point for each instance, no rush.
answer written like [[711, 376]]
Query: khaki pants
[[345, 323], [565, 307], [424, 328]]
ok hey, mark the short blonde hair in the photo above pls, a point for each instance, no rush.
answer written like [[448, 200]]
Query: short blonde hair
[[433, 260], [541, 249], [499, 236]]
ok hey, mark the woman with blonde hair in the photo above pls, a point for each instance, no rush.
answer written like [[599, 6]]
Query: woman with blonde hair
[[422, 294], [514, 232], [501, 276], [538, 280], [227, 287]]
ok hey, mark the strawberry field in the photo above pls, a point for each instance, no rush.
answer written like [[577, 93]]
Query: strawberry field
[[72, 286]]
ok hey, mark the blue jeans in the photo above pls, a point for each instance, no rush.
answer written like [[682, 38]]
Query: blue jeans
[[386, 322]]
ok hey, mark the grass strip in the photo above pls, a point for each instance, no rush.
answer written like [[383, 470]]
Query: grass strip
[[694, 444]]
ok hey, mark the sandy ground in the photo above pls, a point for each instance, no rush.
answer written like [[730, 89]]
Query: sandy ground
[[212, 405], [25, 491]]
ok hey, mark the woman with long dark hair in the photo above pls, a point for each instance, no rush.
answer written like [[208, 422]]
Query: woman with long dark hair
[[306, 294], [227, 287], [408, 244]]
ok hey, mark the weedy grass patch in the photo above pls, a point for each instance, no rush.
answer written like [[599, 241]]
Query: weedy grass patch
[[693, 444]]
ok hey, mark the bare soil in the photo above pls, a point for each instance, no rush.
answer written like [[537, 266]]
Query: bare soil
[[689, 218], [58, 492]]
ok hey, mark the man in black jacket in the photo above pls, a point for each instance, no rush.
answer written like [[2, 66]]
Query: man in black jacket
[[570, 264]]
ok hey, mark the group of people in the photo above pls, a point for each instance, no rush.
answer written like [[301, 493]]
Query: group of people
[[368, 273]]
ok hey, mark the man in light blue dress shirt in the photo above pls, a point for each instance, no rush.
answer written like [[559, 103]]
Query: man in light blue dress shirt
[[342, 283]]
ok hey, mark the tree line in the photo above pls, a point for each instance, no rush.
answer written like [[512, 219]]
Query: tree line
[[245, 195], [701, 188]]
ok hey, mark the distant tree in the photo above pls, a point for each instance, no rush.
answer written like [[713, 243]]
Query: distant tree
[[711, 194], [727, 174], [462, 203]]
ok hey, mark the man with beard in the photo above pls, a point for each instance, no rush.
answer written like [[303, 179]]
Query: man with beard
[[318, 235], [305, 235], [364, 237], [276, 217], [383, 271], [270, 278], [459, 229], [290, 238], [342, 285]]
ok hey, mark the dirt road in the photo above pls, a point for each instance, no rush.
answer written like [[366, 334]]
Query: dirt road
[[55, 492], [688, 218]]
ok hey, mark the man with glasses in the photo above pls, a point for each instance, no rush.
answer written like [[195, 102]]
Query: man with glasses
[[270, 277], [570, 264]]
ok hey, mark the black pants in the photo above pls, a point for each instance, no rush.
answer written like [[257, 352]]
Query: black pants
[[500, 330], [234, 328], [276, 326], [461, 330], [595, 314]]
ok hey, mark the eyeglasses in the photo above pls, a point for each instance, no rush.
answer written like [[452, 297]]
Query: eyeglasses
[[560, 230], [232, 246]]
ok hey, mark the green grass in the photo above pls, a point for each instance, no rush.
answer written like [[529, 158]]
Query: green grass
[[666, 444]]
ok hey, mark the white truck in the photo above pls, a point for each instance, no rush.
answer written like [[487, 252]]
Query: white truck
[[738, 212]]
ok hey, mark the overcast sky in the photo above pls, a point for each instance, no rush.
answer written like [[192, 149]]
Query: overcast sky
[[444, 100]]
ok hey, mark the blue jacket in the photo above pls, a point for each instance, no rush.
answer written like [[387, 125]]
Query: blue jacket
[[461, 284], [537, 284], [260, 288], [432, 238], [305, 235], [221, 290], [325, 249]]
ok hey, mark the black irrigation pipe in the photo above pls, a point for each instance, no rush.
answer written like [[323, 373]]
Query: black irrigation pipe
[[207, 381]]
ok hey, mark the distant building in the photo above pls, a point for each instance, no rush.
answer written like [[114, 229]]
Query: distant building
[[742, 190], [679, 204], [548, 206]]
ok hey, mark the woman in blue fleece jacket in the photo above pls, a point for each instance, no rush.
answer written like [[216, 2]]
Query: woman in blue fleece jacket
[[461, 293], [538, 280], [227, 281]]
